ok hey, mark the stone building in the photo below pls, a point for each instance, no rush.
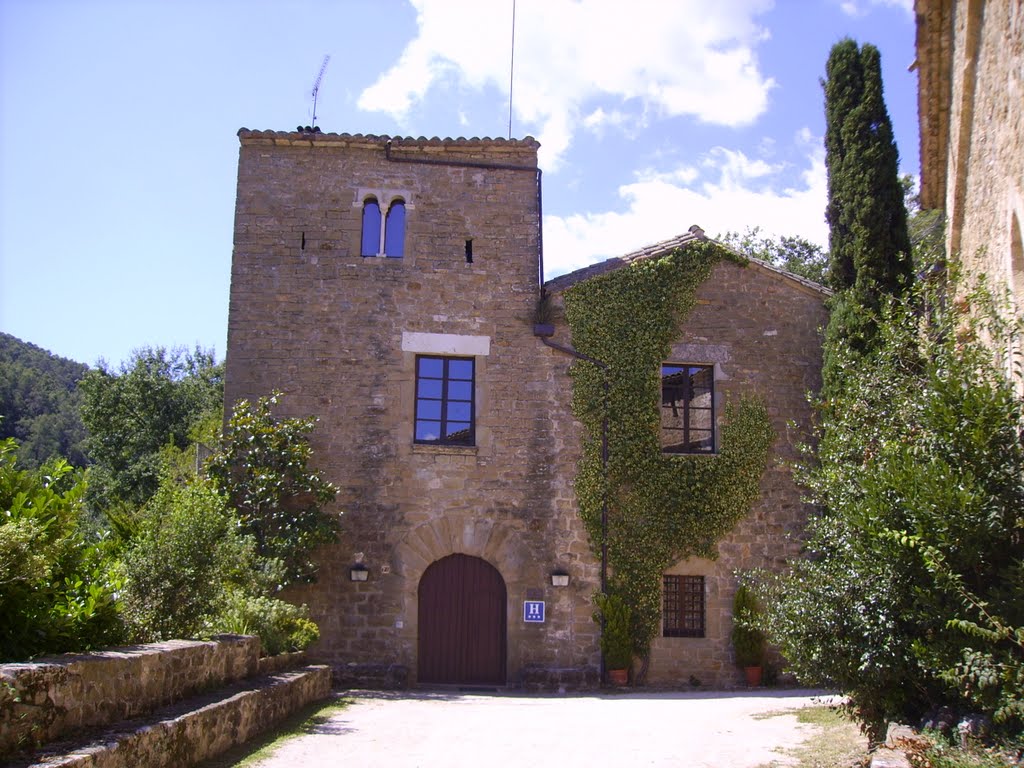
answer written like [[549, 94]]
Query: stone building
[[388, 287], [970, 60]]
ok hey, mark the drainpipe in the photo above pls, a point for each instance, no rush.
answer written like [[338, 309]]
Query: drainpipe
[[604, 449], [604, 462]]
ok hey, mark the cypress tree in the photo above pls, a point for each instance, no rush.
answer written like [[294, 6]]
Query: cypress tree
[[868, 240], [869, 244]]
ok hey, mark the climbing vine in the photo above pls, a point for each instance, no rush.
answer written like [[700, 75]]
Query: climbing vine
[[661, 508]]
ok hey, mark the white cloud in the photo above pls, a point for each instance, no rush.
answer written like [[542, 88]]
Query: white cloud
[[686, 57], [863, 7], [661, 205]]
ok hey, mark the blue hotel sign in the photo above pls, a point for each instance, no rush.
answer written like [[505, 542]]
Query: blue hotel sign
[[533, 611]]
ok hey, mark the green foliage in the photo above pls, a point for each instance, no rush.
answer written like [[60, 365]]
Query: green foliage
[[56, 590], [748, 638], [39, 403], [154, 400], [868, 241], [262, 468], [913, 593], [616, 630], [281, 627], [661, 508], [190, 571], [184, 562], [793, 254]]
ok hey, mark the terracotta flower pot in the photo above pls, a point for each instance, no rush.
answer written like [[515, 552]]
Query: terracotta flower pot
[[618, 676]]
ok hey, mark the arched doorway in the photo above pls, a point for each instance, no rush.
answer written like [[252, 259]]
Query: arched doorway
[[462, 618]]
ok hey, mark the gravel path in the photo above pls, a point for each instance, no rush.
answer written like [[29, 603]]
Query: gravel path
[[403, 730]]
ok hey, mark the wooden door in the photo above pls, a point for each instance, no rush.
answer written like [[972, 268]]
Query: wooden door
[[462, 622]]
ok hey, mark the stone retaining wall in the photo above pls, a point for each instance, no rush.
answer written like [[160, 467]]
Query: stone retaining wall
[[199, 729], [45, 699]]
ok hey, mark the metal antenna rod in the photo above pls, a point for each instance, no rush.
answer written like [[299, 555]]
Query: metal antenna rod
[[316, 87], [511, 69]]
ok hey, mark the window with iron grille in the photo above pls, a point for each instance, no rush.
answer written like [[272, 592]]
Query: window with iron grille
[[444, 400], [683, 606], [687, 408]]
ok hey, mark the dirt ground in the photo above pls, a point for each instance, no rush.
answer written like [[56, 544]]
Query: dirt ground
[[403, 730]]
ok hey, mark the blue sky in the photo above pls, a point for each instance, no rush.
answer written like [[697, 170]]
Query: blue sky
[[118, 122]]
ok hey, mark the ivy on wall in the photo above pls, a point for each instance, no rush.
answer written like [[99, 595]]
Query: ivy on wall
[[661, 508]]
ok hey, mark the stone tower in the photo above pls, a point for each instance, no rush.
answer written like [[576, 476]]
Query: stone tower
[[387, 286]]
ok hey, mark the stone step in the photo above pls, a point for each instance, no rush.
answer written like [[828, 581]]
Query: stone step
[[192, 730]]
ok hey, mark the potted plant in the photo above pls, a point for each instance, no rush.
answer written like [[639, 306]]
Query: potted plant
[[616, 636], [748, 640]]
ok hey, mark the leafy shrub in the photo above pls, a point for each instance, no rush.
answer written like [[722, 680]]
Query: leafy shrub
[[912, 595], [281, 627], [182, 563], [616, 630], [57, 586], [747, 637]]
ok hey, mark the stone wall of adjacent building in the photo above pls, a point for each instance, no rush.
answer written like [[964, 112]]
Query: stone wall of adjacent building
[[762, 332], [971, 59], [332, 330]]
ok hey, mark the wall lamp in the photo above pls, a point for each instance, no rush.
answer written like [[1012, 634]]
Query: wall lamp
[[560, 579], [359, 572]]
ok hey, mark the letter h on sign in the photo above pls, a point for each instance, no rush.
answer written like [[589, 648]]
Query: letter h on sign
[[533, 611]]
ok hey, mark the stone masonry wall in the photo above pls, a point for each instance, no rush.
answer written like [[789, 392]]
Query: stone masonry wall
[[762, 332], [41, 700], [985, 184], [311, 317]]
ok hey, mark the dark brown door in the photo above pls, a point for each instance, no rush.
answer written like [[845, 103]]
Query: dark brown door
[[462, 610]]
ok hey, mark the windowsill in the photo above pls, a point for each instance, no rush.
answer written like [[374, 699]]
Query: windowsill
[[456, 450]]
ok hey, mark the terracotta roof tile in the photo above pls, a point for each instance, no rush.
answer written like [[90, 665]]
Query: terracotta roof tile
[[244, 133]]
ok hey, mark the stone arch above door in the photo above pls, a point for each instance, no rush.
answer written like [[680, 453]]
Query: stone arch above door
[[494, 542]]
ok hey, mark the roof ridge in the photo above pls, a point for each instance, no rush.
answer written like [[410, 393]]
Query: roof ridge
[[318, 135]]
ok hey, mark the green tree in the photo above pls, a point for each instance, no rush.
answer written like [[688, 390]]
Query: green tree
[[39, 403], [56, 585], [262, 467], [793, 254], [188, 554], [869, 245], [868, 241], [155, 400], [913, 594]]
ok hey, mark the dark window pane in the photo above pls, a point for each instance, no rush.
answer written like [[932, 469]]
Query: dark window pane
[[428, 409], [428, 431], [459, 411], [371, 227], [394, 230], [460, 390], [429, 388], [687, 408], [683, 607], [432, 367], [460, 369], [457, 431], [444, 400]]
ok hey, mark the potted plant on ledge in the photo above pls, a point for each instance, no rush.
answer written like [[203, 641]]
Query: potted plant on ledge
[[616, 636], [748, 640]]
